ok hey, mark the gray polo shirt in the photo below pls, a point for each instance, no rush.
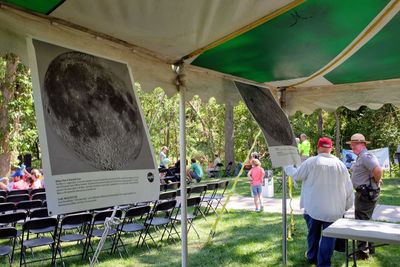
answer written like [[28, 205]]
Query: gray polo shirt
[[362, 169]]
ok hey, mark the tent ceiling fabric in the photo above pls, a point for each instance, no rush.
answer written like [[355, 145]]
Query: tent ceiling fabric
[[149, 35], [172, 28]]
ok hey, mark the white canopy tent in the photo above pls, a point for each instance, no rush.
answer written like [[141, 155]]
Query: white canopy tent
[[151, 36]]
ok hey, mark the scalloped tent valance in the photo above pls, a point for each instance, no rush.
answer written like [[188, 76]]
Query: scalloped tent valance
[[295, 49]]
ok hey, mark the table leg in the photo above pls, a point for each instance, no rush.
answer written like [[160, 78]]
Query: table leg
[[347, 252], [354, 254]]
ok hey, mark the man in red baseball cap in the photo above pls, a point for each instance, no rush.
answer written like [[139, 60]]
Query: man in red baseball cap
[[325, 178]]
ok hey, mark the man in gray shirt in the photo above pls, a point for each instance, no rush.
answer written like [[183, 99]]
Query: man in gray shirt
[[366, 178]]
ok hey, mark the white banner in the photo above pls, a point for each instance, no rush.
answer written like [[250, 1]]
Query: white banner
[[349, 158], [95, 145]]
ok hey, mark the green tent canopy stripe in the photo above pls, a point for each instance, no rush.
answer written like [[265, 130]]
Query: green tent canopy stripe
[[379, 59], [40, 6], [295, 44]]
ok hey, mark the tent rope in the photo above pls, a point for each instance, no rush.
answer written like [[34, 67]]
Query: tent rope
[[219, 215]]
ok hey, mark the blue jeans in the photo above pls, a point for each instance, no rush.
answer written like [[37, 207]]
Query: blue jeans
[[320, 248]]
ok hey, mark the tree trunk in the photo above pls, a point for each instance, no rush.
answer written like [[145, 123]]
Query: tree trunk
[[337, 134], [229, 135], [7, 87], [320, 123]]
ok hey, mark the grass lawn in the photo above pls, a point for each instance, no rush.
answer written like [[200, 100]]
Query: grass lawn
[[243, 238]]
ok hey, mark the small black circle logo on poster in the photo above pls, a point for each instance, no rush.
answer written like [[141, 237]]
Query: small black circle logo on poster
[[150, 177]]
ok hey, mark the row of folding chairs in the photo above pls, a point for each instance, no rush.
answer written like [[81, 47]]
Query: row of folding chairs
[[21, 192], [23, 197], [144, 220]]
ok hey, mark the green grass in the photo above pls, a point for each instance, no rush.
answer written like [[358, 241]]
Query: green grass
[[243, 238]]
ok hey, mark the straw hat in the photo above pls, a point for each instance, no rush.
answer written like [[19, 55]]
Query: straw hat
[[357, 138]]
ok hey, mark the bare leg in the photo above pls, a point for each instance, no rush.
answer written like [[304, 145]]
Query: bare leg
[[256, 203], [261, 201]]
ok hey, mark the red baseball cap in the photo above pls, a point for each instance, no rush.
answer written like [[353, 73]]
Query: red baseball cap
[[325, 142]]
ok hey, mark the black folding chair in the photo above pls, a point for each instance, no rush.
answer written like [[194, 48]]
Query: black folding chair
[[30, 243], [167, 196], [40, 196], [192, 203], [131, 225], [200, 191], [172, 186], [97, 228], [40, 213], [37, 190], [208, 199], [220, 194], [2, 199], [11, 219], [166, 210], [9, 233], [17, 198], [73, 228], [18, 192], [3, 193], [8, 206], [28, 205]]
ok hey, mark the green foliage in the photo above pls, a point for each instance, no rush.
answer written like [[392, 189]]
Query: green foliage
[[381, 126], [21, 114]]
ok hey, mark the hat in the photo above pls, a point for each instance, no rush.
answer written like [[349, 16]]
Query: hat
[[17, 173], [357, 138], [325, 142]]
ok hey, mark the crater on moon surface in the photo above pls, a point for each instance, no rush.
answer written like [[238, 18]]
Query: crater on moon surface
[[92, 111]]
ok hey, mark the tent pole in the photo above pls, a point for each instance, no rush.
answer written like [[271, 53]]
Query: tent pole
[[182, 152], [284, 221]]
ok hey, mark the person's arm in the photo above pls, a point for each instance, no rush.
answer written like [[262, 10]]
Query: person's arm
[[377, 174]]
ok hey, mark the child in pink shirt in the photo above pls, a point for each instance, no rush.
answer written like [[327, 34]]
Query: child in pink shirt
[[256, 176]]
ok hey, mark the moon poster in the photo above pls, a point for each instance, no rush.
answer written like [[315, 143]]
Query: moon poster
[[94, 142], [273, 122]]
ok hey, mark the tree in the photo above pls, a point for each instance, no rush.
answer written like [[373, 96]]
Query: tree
[[18, 132]]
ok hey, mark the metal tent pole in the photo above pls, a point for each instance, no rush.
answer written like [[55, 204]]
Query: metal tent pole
[[182, 152], [284, 219]]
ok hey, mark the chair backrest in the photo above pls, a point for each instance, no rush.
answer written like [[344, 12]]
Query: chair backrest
[[172, 186], [17, 198], [6, 206], [167, 195], [102, 215], [78, 219], [188, 191], [212, 186], [193, 201], [29, 204], [39, 223], [37, 190], [41, 196], [165, 206], [8, 232], [137, 211], [223, 184], [18, 192], [3, 193], [162, 187], [2, 199], [39, 213], [199, 189], [12, 218]]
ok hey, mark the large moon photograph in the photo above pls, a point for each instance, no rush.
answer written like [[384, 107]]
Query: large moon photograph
[[268, 115], [92, 119]]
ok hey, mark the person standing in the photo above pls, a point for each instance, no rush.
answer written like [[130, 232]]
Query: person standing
[[326, 194], [366, 178], [164, 160], [304, 147], [256, 175]]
